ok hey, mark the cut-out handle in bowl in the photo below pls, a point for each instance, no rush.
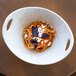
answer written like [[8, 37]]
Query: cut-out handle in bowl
[[7, 24], [69, 44]]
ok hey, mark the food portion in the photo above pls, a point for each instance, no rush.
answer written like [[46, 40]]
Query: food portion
[[38, 36]]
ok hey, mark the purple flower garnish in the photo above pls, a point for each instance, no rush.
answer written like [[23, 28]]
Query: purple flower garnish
[[34, 42], [44, 35], [35, 31]]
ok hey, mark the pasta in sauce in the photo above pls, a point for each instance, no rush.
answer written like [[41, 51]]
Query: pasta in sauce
[[38, 36]]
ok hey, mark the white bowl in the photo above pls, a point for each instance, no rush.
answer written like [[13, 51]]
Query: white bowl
[[22, 18]]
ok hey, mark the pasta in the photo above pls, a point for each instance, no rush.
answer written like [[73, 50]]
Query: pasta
[[38, 36]]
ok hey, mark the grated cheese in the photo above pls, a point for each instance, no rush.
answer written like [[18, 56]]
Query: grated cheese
[[41, 42], [46, 41], [42, 26], [49, 44], [25, 36]]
